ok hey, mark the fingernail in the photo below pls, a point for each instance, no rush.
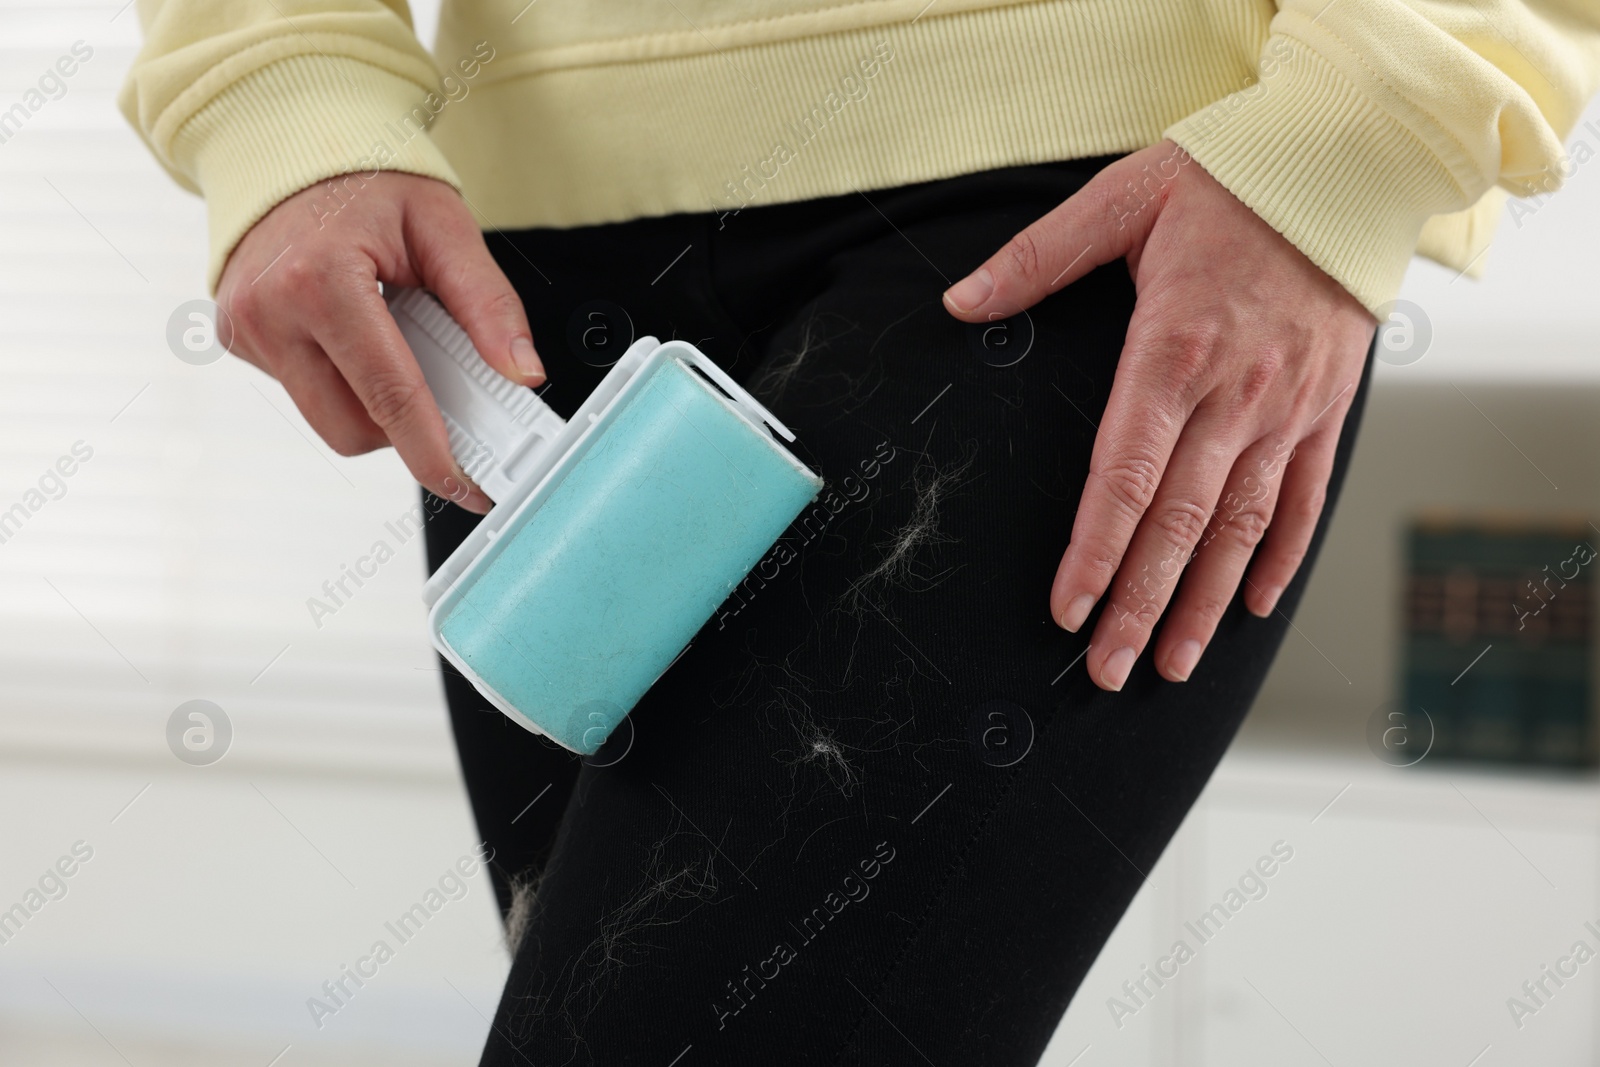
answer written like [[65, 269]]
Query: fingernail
[[970, 292], [1184, 657], [526, 359], [1076, 612], [1270, 595], [1116, 668]]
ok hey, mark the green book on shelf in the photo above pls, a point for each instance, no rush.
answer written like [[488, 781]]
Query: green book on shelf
[[1499, 641]]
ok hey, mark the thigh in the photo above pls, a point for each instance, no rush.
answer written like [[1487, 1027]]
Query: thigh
[[877, 812]]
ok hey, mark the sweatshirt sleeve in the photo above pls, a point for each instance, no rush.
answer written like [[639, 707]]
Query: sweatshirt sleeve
[[249, 101], [1377, 128]]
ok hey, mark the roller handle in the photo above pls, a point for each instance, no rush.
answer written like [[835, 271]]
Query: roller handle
[[498, 429]]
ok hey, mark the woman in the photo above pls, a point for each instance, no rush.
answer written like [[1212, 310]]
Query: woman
[[887, 807]]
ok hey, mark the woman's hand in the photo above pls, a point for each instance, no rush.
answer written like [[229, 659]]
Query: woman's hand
[[1241, 360], [301, 290]]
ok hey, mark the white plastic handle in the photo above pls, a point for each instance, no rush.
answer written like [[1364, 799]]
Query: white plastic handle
[[497, 428]]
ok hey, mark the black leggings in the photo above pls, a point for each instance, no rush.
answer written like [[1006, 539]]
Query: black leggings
[[877, 813]]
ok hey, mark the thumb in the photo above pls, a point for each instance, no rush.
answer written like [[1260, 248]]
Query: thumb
[[1106, 220], [454, 263]]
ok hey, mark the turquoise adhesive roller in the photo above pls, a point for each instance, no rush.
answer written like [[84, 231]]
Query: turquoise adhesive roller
[[614, 536]]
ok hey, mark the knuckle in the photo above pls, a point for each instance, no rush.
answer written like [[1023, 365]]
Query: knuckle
[[1138, 613], [244, 309], [298, 275], [502, 304], [1023, 253], [1101, 562], [1181, 523], [1247, 528], [322, 283], [1208, 610], [1261, 377], [1132, 481], [1189, 349], [391, 398]]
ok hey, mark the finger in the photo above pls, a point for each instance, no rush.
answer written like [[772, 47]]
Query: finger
[[450, 255], [1143, 419], [1305, 490], [1099, 223], [281, 349], [1243, 514], [364, 343], [325, 399], [1162, 547]]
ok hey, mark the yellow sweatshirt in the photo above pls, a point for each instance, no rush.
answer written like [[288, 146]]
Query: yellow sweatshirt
[[1363, 130]]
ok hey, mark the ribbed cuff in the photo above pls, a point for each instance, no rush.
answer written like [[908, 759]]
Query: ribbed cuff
[[294, 123], [1341, 178]]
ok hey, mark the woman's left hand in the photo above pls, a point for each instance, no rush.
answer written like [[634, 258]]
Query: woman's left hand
[[1241, 360]]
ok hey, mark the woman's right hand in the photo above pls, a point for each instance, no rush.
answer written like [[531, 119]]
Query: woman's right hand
[[301, 289]]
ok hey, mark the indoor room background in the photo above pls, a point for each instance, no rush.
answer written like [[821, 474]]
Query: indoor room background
[[1417, 776]]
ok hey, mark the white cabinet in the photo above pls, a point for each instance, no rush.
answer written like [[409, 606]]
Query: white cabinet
[[1413, 908]]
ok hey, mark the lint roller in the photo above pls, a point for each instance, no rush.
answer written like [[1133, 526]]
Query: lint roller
[[613, 537]]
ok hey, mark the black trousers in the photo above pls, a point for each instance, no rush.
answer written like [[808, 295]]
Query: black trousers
[[877, 813]]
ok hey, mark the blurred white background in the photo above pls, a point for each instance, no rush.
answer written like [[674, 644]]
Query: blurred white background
[[176, 567], [219, 898]]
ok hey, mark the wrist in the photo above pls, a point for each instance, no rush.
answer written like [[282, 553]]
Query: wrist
[[292, 125]]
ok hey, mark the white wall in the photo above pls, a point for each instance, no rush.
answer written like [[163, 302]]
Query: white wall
[[176, 567], [1535, 314]]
